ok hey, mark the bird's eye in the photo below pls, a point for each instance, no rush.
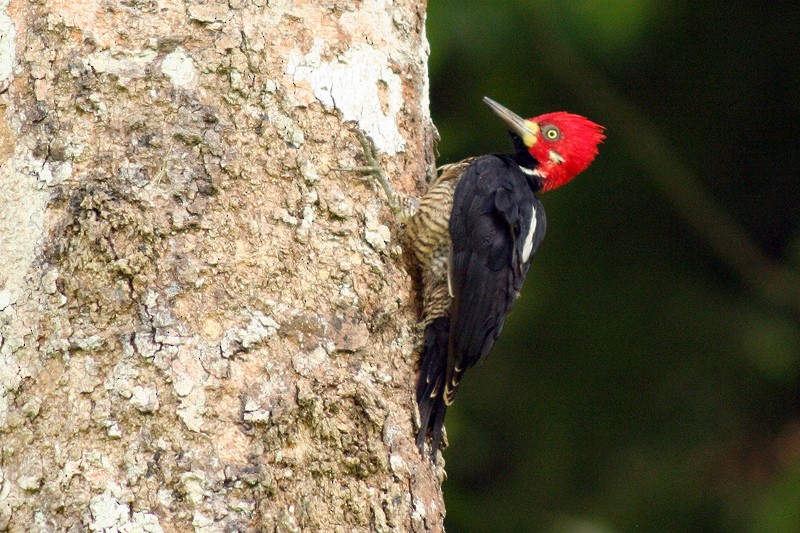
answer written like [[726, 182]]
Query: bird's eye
[[551, 133]]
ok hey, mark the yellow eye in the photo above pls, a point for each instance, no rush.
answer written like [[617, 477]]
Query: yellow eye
[[551, 133]]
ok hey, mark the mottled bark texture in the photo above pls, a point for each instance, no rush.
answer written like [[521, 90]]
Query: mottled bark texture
[[203, 325]]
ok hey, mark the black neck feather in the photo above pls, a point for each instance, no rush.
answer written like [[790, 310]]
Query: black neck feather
[[524, 159]]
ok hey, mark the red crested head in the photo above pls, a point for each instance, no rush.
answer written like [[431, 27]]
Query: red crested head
[[565, 146], [562, 144]]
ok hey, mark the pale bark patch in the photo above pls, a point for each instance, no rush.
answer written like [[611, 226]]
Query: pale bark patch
[[8, 34], [23, 195], [180, 69]]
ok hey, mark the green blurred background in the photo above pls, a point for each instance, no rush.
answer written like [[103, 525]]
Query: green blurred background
[[649, 378]]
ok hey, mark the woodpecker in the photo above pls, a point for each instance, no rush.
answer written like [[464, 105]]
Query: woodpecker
[[474, 234]]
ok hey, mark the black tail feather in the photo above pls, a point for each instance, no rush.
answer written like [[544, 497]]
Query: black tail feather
[[430, 387]]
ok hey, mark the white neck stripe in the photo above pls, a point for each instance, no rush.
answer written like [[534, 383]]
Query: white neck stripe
[[532, 171]]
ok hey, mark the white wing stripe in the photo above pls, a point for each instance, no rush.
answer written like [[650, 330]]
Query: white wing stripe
[[528, 247]]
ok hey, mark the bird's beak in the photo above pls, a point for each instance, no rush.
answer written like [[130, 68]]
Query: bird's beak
[[526, 129]]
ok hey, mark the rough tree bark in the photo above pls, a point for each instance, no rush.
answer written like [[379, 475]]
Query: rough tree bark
[[202, 324]]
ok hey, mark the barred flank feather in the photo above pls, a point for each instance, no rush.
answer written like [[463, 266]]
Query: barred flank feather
[[430, 237]]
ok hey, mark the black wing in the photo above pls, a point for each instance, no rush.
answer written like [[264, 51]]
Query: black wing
[[492, 245]]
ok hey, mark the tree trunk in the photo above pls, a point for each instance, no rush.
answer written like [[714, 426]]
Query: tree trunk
[[203, 324]]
